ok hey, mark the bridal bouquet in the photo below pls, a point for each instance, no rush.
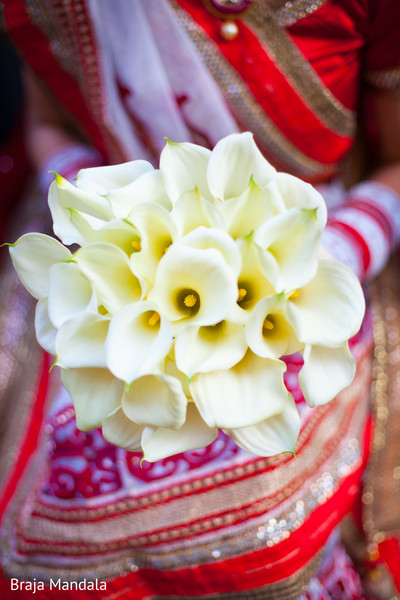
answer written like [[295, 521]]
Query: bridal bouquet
[[190, 284]]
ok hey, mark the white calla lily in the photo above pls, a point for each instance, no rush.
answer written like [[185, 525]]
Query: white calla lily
[[156, 400], [271, 436], [94, 392], [325, 373], [108, 269], [32, 256], [158, 443], [69, 293], [157, 231], [119, 430], [170, 368], [138, 339], [117, 232], [149, 187], [234, 162], [184, 169], [211, 348], [196, 285], [203, 238], [80, 341], [258, 274], [292, 238], [103, 180], [64, 198], [191, 210], [247, 393], [244, 214], [268, 332], [44, 328], [330, 308], [297, 193], [191, 282]]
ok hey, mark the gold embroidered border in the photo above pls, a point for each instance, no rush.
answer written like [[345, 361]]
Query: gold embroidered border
[[50, 18], [388, 79], [381, 495], [263, 493], [247, 110], [267, 487], [76, 51], [245, 537], [298, 71], [293, 11]]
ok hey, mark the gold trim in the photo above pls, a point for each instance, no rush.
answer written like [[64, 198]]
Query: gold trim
[[381, 494], [293, 11], [298, 71], [77, 53], [275, 523], [385, 79], [247, 110]]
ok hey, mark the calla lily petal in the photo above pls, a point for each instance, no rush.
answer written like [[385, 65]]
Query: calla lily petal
[[194, 284], [194, 433], [157, 232], [138, 339], [184, 169], [247, 393], [293, 238], [268, 333], [80, 341], [258, 274], [330, 308], [44, 328], [149, 187], [108, 269], [271, 436], [244, 214], [119, 430], [32, 256], [94, 392], [170, 368], [211, 237], [296, 192], [191, 210], [212, 348], [156, 401], [117, 232], [325, 373], [234, 161], [102, 180], [75, 227], [68, 196], [69, 293]]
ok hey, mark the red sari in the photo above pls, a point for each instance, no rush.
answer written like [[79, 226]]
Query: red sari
[[214, 523]]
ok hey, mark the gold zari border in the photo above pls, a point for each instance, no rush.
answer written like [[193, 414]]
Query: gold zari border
[[247, 110], [77, 52], [344, 419], [298, 71], [381, 495], [293, 11]]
